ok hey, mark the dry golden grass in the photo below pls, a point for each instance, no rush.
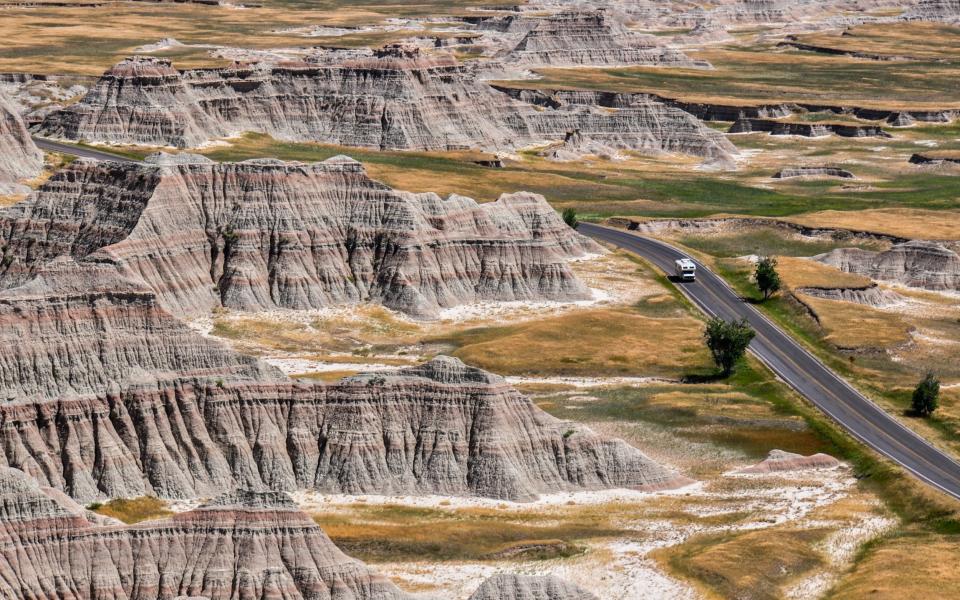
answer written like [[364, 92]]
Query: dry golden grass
[[134, 510], [920, 565], [917, 39], [586, 343], [87, 40], [857, 327], [803, 272], [11, 200], [902, 222], [757, 565], [336, 332]]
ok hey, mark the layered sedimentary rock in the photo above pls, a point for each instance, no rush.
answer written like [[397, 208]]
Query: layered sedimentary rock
[[871, 295], [747, 125], [529, 587], [244, 544], [583, 38], [20, 159], [920, 158], [791, 172], [83, 329], [915, 263], [396, 99], [264, 234], [779, 461], [947, 11], [440, 428]]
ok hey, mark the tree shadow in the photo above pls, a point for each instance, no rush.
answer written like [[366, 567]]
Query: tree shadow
[[713, 377]]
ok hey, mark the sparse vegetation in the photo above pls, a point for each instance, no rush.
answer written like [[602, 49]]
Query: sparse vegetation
[[766, 276], [728, 342], [133, 510], [926, 396]]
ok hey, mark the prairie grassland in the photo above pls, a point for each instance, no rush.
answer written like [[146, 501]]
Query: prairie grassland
[[762, 73], [602, 342], [665, 185], [134, 510], [87, 40], [801, 272], [858, 328], [913, 564], [908, 223], [934, 41], [640, 330], [764, 241]]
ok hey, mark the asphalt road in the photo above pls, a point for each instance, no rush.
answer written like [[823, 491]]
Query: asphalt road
[[801, 370], [82, 152]]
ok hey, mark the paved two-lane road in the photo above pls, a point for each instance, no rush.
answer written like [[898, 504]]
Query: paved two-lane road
[[800, 369], [80, 151]]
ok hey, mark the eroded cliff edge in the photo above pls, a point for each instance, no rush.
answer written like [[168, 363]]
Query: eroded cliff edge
[[20, 159], [110, 396], [265, 234], [398, 98]]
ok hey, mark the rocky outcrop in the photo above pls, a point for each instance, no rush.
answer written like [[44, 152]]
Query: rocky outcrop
[[440, 428], [945, 11], [265, 234], [915, 263], [397, 99], [591, 38], [871, 295], [806, 129], [241, 545], [529, 587], [83, 329], [20, 159], [920, 158], [779, 461], [716, 111], [791, 172]]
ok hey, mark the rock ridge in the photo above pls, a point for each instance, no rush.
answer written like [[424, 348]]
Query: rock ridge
[[264, 234], [916, 263], [397, 99], [21, 159]]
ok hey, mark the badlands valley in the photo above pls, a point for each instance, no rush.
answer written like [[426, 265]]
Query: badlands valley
[[294, 303]]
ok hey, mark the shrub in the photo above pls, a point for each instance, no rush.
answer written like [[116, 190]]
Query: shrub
[[926, 396], [728, 342], [570, 217], [768, 280]]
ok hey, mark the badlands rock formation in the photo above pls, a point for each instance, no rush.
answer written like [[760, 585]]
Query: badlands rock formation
[[529, 587], [241, 545], [747, 125], [791, 172], [83, 329], [19, 157], [441, 428], [263, 234], [107, 395], [916, 263], [870, 295], [584, 38], [779, 460], [396, 99], [947, 11]]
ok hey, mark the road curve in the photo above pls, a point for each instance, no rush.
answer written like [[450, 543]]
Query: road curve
[[801, 370], [79, 151]]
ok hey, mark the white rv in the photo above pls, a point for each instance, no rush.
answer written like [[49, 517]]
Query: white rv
[[685, 270]]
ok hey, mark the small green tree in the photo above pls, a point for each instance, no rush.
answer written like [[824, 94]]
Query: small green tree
[[570, 218], [768, 280], [728, 342], [926, 396]]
